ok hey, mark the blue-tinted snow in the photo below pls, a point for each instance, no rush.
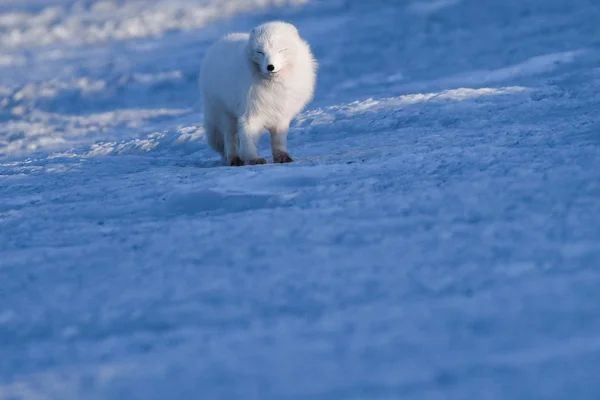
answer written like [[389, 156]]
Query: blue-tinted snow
[[438, 236]]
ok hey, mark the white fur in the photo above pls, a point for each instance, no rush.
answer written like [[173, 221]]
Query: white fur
[[242, 98]]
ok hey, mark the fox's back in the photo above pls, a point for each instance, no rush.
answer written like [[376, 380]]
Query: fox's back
[[225, 67]]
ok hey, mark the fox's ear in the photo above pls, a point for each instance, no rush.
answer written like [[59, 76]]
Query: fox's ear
[[295, 29]]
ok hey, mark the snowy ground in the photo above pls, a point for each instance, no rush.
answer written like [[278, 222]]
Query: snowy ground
[[438, 236]]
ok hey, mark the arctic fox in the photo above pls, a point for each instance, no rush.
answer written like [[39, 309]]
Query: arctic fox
[[252, 82]]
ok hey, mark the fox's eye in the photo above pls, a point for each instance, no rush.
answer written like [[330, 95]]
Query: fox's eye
[[282, 50], [261, 53]]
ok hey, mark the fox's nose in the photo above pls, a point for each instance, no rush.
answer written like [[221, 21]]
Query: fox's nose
[[270, 68]]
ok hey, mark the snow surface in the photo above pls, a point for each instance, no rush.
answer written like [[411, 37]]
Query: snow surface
[[438, 236]]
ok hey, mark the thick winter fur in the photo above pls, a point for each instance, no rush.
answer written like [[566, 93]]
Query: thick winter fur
[[254, 82]]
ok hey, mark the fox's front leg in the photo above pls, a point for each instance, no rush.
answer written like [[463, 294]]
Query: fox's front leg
[[279, 143], [249, 132]]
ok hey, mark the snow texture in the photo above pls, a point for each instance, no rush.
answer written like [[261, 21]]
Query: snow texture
[[437, 237]]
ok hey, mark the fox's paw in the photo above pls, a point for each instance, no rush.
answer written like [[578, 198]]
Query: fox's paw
[[282, 157], [257, 161], [236, 162]]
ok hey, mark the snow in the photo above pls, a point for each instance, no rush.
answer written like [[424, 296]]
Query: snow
[[430, 7], [437, 237], [79, 23]]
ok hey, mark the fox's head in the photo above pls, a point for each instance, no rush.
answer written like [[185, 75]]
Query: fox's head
[[273, 47]]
